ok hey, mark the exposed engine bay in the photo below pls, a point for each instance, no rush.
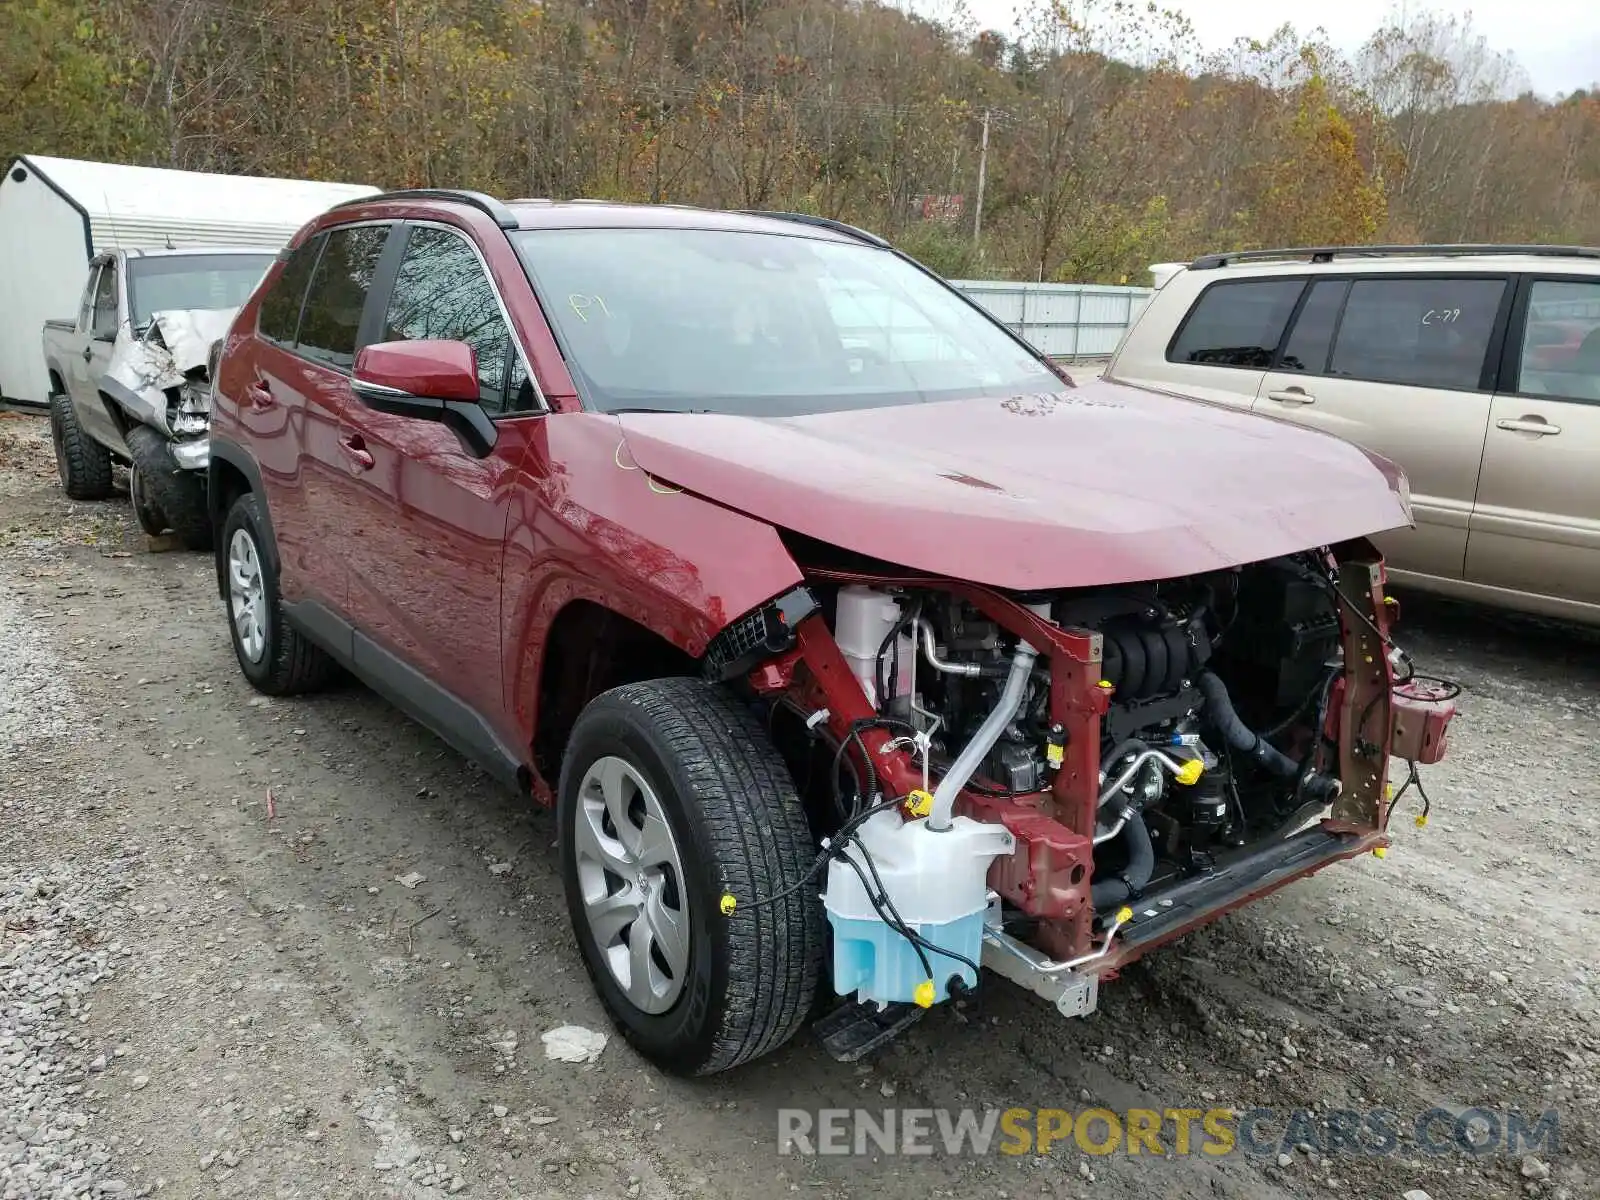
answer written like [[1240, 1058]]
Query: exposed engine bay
[[1040, 771], [1170, 652]]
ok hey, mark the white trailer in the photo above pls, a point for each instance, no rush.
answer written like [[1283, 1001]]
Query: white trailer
[[58, 213]]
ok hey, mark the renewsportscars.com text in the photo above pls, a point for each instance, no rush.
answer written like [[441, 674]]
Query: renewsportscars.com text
[[1149, 1131]]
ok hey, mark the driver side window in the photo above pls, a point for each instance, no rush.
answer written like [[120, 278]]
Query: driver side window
[[441, 291], [1561, 348]]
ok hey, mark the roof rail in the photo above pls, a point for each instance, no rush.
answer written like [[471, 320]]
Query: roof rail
[[484, 203], [860, 235], [1324, 254]]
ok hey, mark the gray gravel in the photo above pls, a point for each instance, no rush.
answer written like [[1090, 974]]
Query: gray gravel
[[276, 1014], [48, 966]]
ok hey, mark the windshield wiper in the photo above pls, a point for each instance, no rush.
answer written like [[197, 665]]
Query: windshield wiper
[[617, 412]]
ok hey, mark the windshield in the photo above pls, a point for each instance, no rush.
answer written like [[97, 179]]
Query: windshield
[[172, 281], [762, 324]]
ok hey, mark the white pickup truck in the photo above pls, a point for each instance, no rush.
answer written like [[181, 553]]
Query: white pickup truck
[[130, 381]]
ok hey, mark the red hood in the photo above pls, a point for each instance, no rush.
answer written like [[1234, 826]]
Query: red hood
[[1102, 484]]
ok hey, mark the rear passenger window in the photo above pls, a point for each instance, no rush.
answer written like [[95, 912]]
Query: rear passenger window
[[1312, 336], [279, 319], [442, 291], [1237, 324], [1422, 332], [1561, 348], [338, 294]]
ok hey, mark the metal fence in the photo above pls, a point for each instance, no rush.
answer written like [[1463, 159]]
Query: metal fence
[[1064, 320]]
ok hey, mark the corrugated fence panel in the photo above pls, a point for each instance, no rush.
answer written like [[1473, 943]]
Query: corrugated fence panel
[[1064, 320]]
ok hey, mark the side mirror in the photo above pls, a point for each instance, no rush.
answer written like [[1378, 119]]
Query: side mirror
[[428, 380]]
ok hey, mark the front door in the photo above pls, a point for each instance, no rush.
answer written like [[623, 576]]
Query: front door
[[1536, 524], [1397, 365], [430, 516]]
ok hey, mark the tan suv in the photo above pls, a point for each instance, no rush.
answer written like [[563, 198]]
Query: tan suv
[[1475, 368]]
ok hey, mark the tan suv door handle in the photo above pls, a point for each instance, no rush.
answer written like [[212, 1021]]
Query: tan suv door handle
[[1293, 395], [1535, 425]]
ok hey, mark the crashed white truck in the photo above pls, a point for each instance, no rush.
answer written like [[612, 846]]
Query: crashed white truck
[[130, 378]]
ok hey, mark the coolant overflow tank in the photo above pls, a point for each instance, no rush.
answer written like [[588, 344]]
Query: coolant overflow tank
[[938, 885]]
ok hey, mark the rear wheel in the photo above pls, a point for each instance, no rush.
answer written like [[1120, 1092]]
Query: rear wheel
[[671, 796], [83, 463], [170, 493], [275, 657]]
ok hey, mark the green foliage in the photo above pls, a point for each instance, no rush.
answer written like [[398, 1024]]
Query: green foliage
[[62, 85], [947, 249], [1112, 143]]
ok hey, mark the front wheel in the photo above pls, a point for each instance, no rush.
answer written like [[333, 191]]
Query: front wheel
[[177, 497], [672, 796], [151, 519]]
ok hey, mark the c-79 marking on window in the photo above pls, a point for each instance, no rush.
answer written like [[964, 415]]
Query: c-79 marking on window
[[1441, 316]]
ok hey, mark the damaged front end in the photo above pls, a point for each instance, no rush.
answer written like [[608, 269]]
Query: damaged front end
[[1051, 784], [161, 377]]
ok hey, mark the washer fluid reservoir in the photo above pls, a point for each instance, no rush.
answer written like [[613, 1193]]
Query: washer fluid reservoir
[[938, 883]]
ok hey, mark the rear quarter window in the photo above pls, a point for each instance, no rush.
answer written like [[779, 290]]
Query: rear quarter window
[[1237, 324]]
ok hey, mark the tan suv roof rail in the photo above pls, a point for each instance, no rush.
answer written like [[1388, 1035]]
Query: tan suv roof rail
[[1323, 254]]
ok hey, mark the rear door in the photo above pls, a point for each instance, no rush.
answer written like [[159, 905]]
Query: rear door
[[1536, 525], [1404, 366], [90, 364], [75, 349], [297, 386]]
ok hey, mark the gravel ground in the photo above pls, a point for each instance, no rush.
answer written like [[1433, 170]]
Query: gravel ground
[[299, 948]]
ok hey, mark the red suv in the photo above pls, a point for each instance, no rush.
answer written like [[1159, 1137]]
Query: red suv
[[856, 647]]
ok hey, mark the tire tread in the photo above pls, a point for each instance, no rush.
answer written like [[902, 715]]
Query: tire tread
[[88, 463], [761, 844], [178, 494]]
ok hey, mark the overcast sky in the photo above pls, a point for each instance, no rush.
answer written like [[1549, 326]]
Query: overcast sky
[[1557, 42]]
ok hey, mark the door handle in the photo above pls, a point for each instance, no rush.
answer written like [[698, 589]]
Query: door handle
[[1534, 425], [88, 353], [1292, 395], [355, 449], [259, 394]]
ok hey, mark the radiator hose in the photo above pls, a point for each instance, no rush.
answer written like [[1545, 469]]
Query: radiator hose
[[1220, 712], [1141, 865]]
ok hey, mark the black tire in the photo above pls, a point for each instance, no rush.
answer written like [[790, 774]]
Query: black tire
[[151, 519], [288, 662], [178, 496], [739, 828], [83, 463]]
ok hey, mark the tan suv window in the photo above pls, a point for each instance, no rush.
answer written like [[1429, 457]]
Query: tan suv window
[[1561, 348], [1421, 332], [1237, 324]]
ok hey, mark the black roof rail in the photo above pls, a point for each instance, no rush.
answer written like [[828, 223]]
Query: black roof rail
[[1324, 254], [860, 235], [484, 203]]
